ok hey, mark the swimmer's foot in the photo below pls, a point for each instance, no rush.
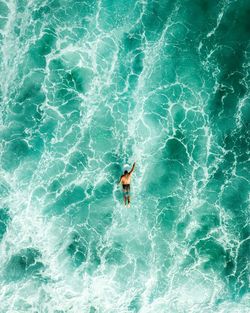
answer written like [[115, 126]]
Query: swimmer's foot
[[129, 205]]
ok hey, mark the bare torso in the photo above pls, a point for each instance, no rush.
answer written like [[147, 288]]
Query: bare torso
[[125, 179]]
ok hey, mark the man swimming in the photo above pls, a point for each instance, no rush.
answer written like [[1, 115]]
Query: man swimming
[[125, 180]]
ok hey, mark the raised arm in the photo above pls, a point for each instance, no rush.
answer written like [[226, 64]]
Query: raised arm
[[133, 167]]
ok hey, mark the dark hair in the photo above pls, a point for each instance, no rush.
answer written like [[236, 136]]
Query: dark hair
[[125, 172]]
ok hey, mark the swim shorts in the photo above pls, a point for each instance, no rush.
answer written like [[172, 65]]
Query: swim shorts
[[126, 190]]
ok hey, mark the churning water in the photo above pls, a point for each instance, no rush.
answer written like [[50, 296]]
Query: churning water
[[89, 85]]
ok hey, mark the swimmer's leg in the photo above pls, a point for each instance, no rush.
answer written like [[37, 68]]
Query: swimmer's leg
[[125, 198], [128, 201]]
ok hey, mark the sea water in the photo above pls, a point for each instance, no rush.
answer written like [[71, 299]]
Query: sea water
[[90, 85]]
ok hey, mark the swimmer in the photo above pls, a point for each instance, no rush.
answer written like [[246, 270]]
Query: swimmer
[[125, 180]]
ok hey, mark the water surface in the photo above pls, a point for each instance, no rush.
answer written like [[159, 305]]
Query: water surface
[[87, 86]]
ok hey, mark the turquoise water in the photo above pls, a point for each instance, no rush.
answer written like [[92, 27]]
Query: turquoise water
[[87, 86]]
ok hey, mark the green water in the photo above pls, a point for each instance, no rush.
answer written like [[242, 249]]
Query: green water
[[87, 86]]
